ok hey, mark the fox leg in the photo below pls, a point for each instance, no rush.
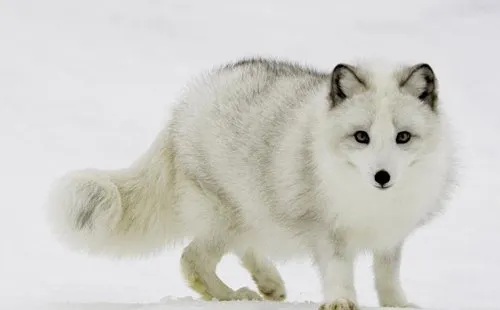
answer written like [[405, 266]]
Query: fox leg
[[386, 266], [264, 274], [199, 262]]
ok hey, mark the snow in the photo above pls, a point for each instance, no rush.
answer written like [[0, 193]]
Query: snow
[[89, 84]]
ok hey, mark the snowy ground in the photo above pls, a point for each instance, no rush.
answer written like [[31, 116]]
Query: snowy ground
[[89, 83]]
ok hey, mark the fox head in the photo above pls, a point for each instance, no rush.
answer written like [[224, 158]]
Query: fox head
[[383, 123]]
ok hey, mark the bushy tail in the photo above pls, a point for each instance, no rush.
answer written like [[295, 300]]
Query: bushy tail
[[128, 212]]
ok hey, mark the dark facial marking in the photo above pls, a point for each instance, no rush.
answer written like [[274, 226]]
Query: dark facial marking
[[340, 72], [429, 94]]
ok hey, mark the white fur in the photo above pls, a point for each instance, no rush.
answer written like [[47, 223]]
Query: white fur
[[202, 179]]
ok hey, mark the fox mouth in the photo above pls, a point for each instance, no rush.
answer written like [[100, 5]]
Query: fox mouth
[[383, 187]]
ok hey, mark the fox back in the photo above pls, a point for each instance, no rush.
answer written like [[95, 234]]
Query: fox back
[[294, 151]]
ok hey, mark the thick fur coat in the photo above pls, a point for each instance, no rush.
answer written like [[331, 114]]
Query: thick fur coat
[[272, 160]]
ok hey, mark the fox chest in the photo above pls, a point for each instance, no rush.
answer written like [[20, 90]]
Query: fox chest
[[380, 223]]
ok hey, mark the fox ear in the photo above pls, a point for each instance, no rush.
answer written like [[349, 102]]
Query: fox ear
[[420, 81], [345, 83]]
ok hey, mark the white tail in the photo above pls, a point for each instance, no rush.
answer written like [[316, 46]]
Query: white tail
[[128, 212]]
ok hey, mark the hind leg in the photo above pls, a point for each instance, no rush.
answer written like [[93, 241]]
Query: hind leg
[[199, 262], [265, 275]]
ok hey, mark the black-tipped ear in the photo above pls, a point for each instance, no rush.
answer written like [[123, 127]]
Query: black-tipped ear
[[345, 83], [421, 82]]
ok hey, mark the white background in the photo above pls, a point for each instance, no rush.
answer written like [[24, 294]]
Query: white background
[[89, 84]]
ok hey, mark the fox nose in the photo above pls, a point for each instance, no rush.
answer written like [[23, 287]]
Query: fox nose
[[382, 177]]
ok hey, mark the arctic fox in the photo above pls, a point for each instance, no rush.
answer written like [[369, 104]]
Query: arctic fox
[[270, 160]]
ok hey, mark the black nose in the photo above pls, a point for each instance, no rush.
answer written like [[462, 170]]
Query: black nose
[[382, 177]]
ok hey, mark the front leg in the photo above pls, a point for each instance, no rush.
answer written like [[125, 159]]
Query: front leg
[[386, 266], [336, 267]]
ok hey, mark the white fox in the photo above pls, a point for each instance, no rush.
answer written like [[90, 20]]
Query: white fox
[[271, 160]]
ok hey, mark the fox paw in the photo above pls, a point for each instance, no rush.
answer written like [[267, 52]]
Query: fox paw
[[271, 288], [339, 304], [245, 293], [405, 305]]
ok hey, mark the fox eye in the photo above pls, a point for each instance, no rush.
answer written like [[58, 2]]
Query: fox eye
[[403, 137], [362, 137]]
